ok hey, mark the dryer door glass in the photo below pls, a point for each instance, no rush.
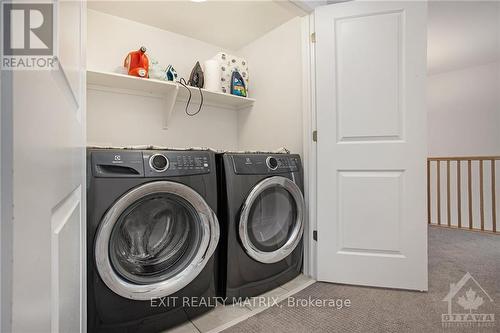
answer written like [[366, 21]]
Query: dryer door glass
[[272, 219], [155, 240]]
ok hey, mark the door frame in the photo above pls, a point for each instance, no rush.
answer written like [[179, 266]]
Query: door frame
[[309, 146], [6, 200], [83, 117]]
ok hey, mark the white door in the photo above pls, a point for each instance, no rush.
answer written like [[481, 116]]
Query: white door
[[371, 121], [48, 267]]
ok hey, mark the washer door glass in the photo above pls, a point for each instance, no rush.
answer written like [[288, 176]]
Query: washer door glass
[[272, 219], [155, 238]]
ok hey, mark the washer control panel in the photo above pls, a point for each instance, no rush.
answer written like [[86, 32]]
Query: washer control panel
[[111, 163], [265, 163]]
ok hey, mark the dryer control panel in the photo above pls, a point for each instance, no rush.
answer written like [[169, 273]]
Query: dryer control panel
[[259, 164], [159, 163]]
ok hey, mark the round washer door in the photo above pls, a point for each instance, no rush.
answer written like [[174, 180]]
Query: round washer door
[[155, 240], [272, 220]]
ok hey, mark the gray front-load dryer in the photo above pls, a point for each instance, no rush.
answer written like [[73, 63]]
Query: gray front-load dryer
[[262, 214]]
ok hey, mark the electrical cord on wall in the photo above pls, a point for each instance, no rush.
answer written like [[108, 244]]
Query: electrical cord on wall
[[183, 82]]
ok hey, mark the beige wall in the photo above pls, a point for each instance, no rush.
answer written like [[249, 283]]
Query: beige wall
[[463, 91], [121, 119], [464, 111], [276, 83]]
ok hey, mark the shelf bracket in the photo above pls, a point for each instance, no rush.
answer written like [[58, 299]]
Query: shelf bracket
[[169, 103]]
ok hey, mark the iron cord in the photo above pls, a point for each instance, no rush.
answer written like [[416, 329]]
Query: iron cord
[[183, 82]]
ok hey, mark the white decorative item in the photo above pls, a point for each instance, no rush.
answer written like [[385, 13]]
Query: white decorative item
[[228, 64], [212, 74], [156, 71]]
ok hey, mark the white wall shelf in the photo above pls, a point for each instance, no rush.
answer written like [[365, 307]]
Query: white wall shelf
[[170, 92]]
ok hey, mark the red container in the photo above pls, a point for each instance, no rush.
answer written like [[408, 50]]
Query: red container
[[137, 63]]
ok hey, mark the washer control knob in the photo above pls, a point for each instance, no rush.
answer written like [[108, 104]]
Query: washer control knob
[[272, 163], [158, 162]]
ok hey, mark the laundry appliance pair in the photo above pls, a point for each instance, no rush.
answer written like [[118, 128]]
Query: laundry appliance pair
[[169, 231]]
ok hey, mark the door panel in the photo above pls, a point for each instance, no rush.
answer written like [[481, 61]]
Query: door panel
[[370, 117], [357, 206], [65, 275], [49, 190], [69, 16], [370, 69]]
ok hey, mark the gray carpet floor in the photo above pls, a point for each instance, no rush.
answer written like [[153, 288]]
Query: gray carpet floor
[[452, 253]]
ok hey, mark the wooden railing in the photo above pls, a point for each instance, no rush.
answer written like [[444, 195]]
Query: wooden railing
[[466, 200]]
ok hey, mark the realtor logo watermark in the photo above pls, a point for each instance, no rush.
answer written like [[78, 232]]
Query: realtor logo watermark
[[28, 36], [258, 301], [468, 305]]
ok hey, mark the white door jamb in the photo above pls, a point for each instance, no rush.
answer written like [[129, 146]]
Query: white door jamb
[[309, 146]]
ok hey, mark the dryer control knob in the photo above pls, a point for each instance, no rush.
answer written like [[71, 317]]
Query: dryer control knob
[[272, 163], [158, 162]]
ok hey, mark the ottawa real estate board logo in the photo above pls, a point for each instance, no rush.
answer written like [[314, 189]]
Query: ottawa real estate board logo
[[27, 36], [469, 305]]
